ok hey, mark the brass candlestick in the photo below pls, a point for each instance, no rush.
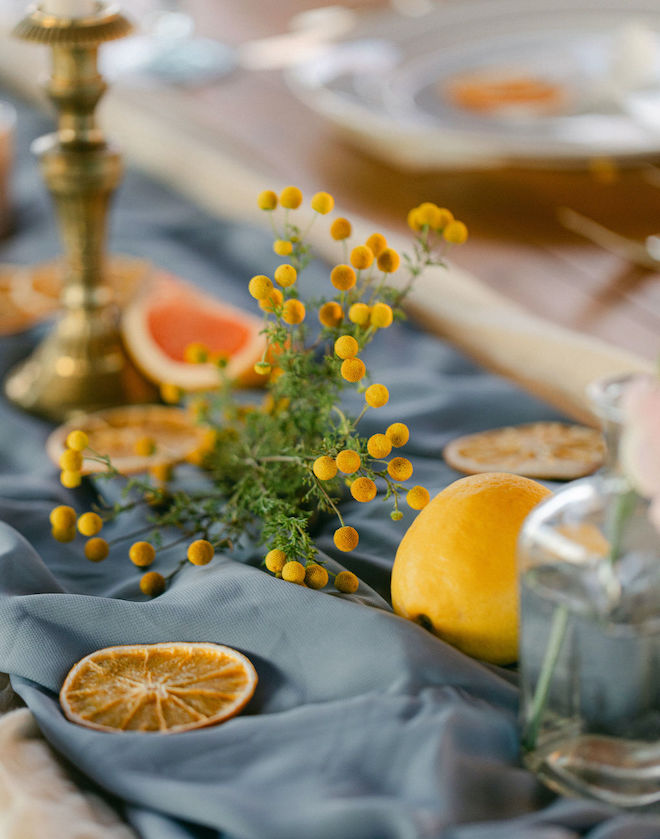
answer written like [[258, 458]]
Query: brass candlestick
[[82, 364]]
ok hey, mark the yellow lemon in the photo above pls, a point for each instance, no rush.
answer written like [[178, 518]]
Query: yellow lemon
[[455, 569]]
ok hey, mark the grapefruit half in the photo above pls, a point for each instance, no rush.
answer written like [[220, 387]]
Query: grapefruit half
[[169, 315]]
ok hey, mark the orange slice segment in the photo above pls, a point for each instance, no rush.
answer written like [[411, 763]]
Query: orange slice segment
[[169, 315], [551, 450], [116, 431], [167, 687]]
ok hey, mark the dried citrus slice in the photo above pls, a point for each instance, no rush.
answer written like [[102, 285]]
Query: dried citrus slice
[[551, 450], [167, 687], [492, 92], [116, 431], [170, 315]]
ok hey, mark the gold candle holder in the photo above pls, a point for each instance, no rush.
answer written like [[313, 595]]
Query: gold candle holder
[[81, 365]]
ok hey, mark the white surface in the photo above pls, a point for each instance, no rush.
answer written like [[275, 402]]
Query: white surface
[[69, 8], [385, 84]]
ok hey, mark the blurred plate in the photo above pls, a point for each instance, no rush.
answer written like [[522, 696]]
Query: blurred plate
[[495, 82]]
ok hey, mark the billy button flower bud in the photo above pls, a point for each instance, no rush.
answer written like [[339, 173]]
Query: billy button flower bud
[[62, 517], [282, 247], [429, 214], [398, 433], [71, 460], [399, 468], [77, 440], [96, 549], [346, 346], [260, 286], [262, 368], [361, 257], [324, 468], [376, 395], [396, 515], [267, 200], [363, 489], [272, 301], [381, 315], [63, 534], [445, 216], [414, 220], [346, 539], [142, 554], [275, 560], [388, 260], [293, 312], [418, 497], [200, 552], [291, 198], [359, 313], [353, 369], [340, 229], [293, 572], [285, 275], [348, 461], [331, 314], [455, 233], [379, 446], [152, 584], [89, 524], [70, 478], [170, 393], [323, 203], [376, 243], [316, 576], [196, 353], [346, 582], [342, 277], [145, 446]]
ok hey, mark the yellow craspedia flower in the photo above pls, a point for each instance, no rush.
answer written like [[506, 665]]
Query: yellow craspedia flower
[[162, 472], [145, 446], [414, 220], [363, 489], [152, 583], [262, 368], [63, 517], [89, 524], [428, 214], [388, 260], [316, 576], [170, 393], [418, 497], [331, 314], [142, 554], [272, 301], [376, 395], [346, 582], [342, 277], [285, 275], [324, 467], [340, 229], [196, 353], [346, 346], [282, 247], [291, 197], [323, 203], [71, 460], [379, 446], [260, 286], [348, 461], [63, 534], [359, 313], [294, 572], [376, 243], [361, 257], [275, 560], [70, 478], [399, 468], [381, 315], [398, 433], [346, 539], [96, 549], [455, 233], [293, 312], [267, 200], [200, 552], [353, 369], [77, 440], [445, 216]]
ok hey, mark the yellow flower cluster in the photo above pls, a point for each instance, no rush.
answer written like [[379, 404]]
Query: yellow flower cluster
[[428, 217]]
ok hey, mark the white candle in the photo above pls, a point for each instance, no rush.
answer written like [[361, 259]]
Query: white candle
[[69, 8]]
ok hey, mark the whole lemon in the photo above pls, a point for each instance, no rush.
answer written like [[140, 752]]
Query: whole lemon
[[455, 569]]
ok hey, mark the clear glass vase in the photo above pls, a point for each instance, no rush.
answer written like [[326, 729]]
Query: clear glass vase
[[590, 637]]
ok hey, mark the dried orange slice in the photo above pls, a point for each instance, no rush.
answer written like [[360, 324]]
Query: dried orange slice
[[490, 92], [167, 687], [116, 431], [551, 450]]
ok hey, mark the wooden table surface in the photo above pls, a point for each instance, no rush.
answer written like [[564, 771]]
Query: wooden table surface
[[516, 244]]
